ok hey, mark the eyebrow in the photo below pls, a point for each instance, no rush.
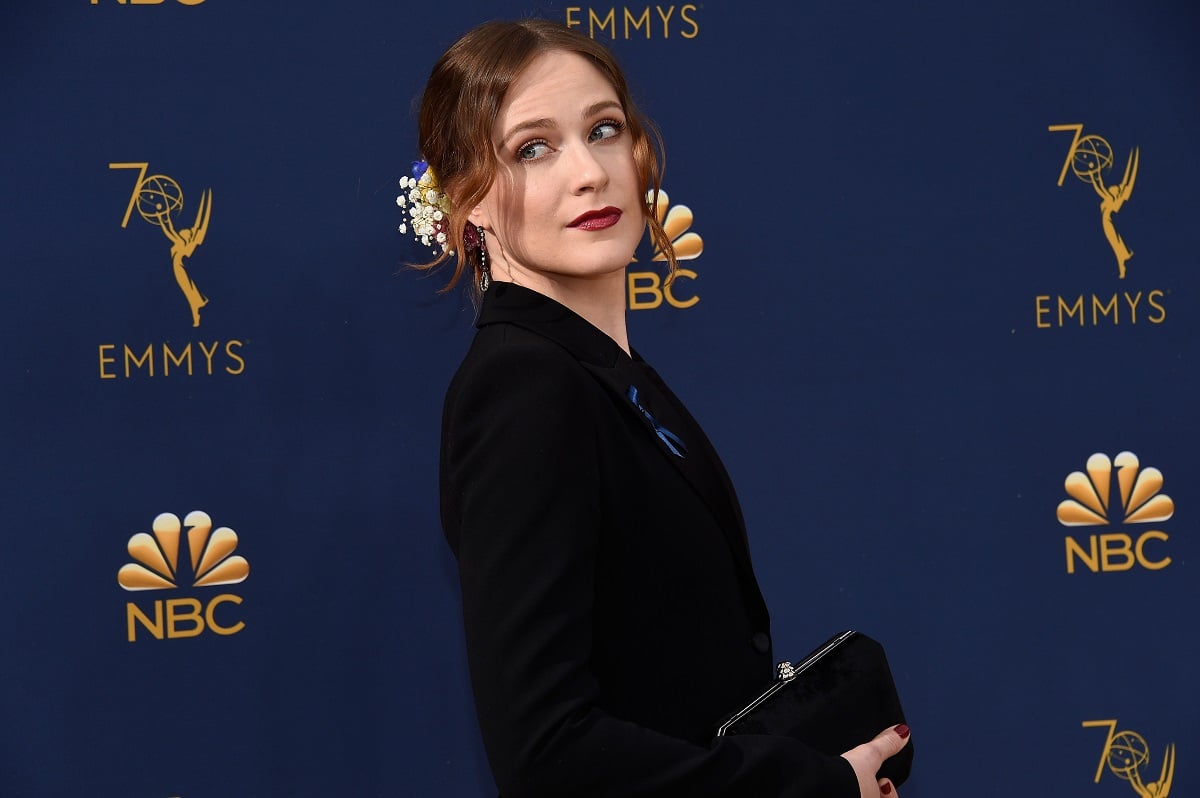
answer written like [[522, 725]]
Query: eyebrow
[[547, 122]]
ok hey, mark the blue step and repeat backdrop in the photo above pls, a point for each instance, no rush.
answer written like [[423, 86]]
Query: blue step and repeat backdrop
[[940, 317]]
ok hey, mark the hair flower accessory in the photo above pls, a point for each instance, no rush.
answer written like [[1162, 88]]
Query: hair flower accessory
[[426, 206]]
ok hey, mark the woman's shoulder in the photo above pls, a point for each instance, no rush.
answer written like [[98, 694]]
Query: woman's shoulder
[[521, 387], [509, 359], [508, 347], [512, 340]]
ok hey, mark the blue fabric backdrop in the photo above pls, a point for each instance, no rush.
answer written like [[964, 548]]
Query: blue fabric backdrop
[[909, 330]]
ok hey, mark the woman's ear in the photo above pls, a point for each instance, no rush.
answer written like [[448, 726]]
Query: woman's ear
[[478, 215], [481, 216]]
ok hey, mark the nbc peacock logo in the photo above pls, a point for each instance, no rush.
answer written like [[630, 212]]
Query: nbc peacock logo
[[677, 224], [647, 289], [1092, 503], [210, 562]]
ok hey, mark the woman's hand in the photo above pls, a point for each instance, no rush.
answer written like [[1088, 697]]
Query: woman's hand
[[867, 758]]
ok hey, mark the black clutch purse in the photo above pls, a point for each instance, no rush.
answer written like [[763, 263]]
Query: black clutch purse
[[839, 696]]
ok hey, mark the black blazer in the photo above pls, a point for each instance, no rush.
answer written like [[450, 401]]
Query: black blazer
[[612, 616]]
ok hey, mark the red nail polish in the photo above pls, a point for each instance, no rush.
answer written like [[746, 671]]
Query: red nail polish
[[903, 731], [886, 789]]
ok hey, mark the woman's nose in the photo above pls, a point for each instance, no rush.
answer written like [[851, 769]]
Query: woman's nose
[[587, 171]]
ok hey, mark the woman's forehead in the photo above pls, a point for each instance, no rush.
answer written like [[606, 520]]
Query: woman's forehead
[[555, 80]]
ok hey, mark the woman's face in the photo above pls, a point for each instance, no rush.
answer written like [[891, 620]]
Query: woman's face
[[566, 202]]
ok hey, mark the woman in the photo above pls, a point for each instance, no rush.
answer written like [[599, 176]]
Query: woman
[[612, 615]]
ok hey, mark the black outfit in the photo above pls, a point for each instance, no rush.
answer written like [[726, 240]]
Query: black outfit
[[612, 615]]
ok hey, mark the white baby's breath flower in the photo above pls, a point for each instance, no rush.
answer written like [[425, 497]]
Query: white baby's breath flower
[[427, 208]]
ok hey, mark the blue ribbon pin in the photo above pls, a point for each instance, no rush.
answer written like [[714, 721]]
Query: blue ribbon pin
[[665, 435]]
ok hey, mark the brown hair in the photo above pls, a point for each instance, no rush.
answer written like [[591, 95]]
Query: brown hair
[[462, 100]]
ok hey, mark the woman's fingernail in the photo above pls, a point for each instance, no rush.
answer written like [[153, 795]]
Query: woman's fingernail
[[886, 789], [903, 731]]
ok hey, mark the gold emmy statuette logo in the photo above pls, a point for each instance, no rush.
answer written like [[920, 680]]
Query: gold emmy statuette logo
[[647, 289], [158, 200], [156, 566], [1090, 158], [1091, 504], [1127, 755]]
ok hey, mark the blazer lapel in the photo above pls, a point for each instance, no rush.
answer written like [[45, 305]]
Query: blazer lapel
[[600, 355], [699, 465]]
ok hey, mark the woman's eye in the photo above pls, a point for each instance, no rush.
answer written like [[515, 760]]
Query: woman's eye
[[533, 150], [605, 130]]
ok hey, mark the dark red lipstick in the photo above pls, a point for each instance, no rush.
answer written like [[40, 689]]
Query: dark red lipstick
[[597, 220]]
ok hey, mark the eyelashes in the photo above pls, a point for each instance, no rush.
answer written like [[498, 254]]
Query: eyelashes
[[617, 125], [533, 150], [536, 149]]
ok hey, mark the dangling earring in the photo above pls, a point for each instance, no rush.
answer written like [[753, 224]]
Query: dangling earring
[[485, 276]]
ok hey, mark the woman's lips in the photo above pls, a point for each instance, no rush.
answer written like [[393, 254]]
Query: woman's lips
[[597, 220]]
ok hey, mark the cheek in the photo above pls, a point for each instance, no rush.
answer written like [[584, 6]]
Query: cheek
[[625, 166], [633, 191], [537, 203], [509, 202], [525, 212]]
